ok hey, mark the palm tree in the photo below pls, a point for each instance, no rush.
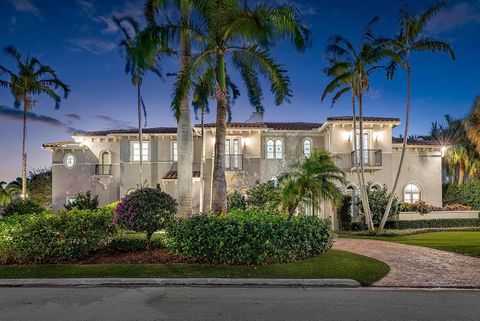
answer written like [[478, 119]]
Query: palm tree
[[31, 80], [472, 124], [204, 90], [243, 35], [315, 180], [142, 54], [181, 110], [350, 69], [410, 38], [5, 196]]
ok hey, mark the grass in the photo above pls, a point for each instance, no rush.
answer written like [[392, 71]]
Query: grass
[[462, 242], [333, 264]]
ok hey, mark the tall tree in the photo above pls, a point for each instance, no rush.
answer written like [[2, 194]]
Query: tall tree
[[243, 35], [32, 79], [315, 180], [410, 38], [142, 54], [182, 37], [350, 69]]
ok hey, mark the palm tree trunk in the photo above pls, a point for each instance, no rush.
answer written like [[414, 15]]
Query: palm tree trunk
[[219, 202], [402, 156], [184, 132], [461, 174], [140, 134], [24, 146], [202, 159], [366, 205]]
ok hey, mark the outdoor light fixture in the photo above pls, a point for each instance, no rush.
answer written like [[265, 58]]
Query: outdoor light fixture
[[443, 150]]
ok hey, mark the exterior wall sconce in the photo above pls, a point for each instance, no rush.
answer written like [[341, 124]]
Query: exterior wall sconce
[[443, 150]]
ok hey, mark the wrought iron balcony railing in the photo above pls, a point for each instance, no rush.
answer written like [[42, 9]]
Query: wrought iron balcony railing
[[371, 158], [103, 169], [233, 162]]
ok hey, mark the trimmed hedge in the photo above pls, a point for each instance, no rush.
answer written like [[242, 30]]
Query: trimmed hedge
[[130, 242], [437, 223], [251, 237], [467, 194], [52, 238], [23, 207]]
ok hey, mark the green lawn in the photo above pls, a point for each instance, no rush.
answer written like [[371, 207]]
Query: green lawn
[[333, 264], [464, 242]]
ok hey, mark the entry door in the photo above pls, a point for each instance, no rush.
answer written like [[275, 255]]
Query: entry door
[[366, 147]]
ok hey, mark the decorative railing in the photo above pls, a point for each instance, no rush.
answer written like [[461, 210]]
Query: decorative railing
[[233, 162], [103, 169], [371, 158]]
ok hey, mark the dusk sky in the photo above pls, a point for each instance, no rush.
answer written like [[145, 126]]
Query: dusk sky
[[79, 39]]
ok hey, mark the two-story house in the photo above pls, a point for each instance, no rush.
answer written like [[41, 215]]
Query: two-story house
[[107, 162]]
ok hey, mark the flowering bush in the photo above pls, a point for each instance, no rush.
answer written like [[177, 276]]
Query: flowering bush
[[456, 207], [420, 207], [145, 210]]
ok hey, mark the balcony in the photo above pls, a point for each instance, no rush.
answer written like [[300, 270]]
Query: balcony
[[103, 170], [372, 159], [233, 162]]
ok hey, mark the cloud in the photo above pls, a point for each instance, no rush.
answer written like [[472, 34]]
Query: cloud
[[16, 115], [451, 18], [73, 116], [87, 7], [95, 46], [27, 6], [113, 123]]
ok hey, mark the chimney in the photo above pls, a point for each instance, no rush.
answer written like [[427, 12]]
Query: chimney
[[256, 117]]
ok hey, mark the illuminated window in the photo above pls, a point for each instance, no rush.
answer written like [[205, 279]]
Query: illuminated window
[[278, 149], [69, 160], [270, 149], [174, 152], [136, 151], [411, 193], [307, 148]]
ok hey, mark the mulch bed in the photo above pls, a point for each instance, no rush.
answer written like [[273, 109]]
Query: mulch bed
[[159, 256]]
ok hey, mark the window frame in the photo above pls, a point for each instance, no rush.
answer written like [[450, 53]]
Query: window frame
[[308, 139], [410, 199], [132, 151], [174, 151], [276, 141], [65, 162]]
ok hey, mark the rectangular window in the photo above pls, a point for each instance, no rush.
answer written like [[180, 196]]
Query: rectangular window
[[365, 147], [174, 151], [235, 153], [227, 153], [136, 151]]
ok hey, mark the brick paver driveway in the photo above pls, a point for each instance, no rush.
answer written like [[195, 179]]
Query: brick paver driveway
[[415, 266]]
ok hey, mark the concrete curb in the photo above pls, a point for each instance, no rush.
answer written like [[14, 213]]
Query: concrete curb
[[136, 282]]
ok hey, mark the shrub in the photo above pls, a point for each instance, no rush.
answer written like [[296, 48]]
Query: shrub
[[83, 201], [265, 196], [129, 242], [437, 223], [249, 237], [456, 207], [23, 207], [236, 201], [145, 210], [467, 194], [420, 207], [378, 199], [53, 238], [345, 214]]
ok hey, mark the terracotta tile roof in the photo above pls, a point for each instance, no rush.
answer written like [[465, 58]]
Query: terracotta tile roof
[[173, 174], [271, 125], [155, 130], [59, 144], [365, 118], [396, 140]]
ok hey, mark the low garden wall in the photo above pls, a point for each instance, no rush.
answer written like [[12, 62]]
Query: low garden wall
[[435, 215]]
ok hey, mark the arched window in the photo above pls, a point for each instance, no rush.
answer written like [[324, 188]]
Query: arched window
[[270, 149], [105, 163], [411, 193], [278, 149], [307, 148]]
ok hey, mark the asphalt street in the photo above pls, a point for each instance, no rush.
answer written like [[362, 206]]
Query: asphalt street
[[236, 303]]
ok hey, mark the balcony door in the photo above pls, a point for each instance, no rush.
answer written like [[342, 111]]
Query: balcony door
[[232, 152], [366, 147]]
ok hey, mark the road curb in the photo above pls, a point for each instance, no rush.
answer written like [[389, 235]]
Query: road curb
[[135, 282]]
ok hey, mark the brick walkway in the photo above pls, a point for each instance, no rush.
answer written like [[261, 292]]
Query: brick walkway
[[415, 266]]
